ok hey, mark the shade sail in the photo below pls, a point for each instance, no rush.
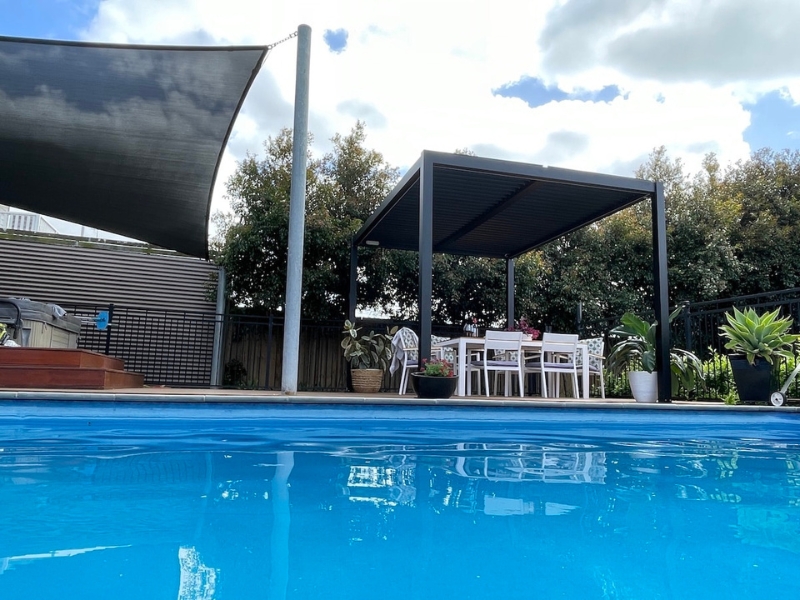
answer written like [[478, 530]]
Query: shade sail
[[495, 208], [123, 138]]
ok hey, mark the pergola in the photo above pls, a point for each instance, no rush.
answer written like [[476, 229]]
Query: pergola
[[472, 206]]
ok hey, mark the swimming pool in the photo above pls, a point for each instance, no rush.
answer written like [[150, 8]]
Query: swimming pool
[[156, 501]]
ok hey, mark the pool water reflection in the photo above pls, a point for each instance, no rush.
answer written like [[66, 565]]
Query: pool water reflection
[[329, 504]]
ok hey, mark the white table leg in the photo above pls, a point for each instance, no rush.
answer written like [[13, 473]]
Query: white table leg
[[585, 371], [462, 366]]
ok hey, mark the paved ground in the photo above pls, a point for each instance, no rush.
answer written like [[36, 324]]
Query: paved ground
[[164, 394]]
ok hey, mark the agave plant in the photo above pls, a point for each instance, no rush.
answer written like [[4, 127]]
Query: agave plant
[[759, 336]]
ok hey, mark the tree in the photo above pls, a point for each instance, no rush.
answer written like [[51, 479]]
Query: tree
[[727, 234], [343, 187], [702, 259], [766, 192], [607, 267]]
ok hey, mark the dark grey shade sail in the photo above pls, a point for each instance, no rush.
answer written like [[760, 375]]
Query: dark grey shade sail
[[123, 138], [495, 208]]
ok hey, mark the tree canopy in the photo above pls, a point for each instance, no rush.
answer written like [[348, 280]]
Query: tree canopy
[[729, 232], [343, 188]]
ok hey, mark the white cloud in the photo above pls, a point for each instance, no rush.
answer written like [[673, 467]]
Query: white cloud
[[421, 72]]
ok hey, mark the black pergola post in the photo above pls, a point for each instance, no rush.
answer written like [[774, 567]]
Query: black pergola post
[[425, 255], [353, 297], [510, 289], [661, 293]]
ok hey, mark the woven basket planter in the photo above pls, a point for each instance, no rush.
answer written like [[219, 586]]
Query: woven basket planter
[[366, 381]]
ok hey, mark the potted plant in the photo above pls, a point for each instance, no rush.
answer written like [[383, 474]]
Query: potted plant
[[368, 355], [527, 330], [638, 349], [756, 340], [435, 379]]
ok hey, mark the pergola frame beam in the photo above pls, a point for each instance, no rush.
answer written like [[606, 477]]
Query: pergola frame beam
[[614, 193]]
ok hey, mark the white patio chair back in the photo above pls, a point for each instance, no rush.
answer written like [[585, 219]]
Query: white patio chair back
[[448, 354], [409, 342], [560, 344], [558, 357], [505, 343], [595, 348], [408, 346]]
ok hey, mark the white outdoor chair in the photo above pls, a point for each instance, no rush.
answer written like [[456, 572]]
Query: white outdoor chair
[[557, 358], [507, 381], [502, 342], [596, 358], [448, 354], [469, 370], [406, 348]]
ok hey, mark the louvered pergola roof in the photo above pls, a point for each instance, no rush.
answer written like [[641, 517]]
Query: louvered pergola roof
[[496, 208]]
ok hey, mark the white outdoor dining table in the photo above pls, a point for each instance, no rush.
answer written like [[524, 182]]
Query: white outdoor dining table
[[464, 344]]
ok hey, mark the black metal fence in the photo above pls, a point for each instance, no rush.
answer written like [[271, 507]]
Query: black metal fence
[[175, 348], [167, 347], [696, 328]]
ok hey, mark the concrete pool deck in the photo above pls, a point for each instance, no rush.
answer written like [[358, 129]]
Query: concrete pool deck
[[209, 396]]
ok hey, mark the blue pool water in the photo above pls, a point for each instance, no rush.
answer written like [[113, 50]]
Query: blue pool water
[[207, 502]]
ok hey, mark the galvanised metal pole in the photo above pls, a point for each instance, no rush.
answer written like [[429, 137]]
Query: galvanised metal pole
[[353, 297], [297, 210], [219, 319], [425, 255]]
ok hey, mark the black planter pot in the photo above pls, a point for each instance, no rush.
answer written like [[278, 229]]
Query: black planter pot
[[433, 387], [753, 382]]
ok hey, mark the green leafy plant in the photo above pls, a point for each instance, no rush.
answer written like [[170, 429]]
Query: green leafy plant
[[638, 349], [369, 351], [234, 374], [718, 377], [436, 367], [686, 369], [759, 336]]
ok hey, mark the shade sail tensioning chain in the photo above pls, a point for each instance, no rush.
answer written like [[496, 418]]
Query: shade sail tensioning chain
[[286, 39]]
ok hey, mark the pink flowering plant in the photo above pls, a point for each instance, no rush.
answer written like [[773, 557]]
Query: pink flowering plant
[[526, 328], [436, 367]]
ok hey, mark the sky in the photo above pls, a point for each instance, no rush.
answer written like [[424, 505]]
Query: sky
[[593, 85]]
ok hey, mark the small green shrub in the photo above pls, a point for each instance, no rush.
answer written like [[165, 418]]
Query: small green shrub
[[617, 386], [718, 376], [234, 374]]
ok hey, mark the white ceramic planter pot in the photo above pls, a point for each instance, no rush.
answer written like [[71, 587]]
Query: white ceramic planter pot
[[644, 386]]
